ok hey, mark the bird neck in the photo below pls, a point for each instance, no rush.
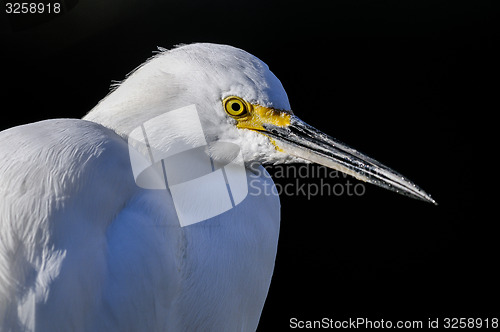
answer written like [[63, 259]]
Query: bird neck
[[146, 93]]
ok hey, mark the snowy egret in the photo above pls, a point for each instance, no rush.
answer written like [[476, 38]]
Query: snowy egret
[[83, 247]]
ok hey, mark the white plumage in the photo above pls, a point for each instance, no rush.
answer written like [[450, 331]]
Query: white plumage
[[84, 248]]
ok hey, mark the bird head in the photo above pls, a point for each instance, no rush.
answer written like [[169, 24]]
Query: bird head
[[239, 102]]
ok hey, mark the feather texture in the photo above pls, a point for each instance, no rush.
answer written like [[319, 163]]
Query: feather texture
[[84, 249]]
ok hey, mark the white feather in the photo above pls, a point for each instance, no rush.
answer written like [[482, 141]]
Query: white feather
[[83, 248]]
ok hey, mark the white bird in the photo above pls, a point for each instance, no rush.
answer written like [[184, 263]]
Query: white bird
[[84, 247]]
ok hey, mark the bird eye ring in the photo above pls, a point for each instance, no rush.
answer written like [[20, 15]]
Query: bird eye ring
[[235, 106]]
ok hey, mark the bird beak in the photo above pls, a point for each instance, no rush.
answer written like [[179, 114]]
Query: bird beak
[[306, 142]]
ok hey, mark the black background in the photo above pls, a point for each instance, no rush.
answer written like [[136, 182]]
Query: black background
[[411, 83]]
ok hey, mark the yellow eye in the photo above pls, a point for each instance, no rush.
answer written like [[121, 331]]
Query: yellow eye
[[235, 106]]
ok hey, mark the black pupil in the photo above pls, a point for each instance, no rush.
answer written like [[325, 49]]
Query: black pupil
[[236, 107]]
